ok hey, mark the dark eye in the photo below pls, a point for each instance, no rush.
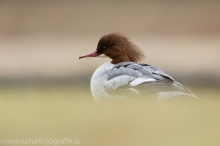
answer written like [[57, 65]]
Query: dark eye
[[103, 47]]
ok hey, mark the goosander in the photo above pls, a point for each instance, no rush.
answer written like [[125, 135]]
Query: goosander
[[124, 78]]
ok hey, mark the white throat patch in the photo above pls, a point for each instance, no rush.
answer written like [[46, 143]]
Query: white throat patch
[[103, 56]]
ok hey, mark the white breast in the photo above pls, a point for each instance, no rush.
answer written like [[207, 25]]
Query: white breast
[[101, 86], [99, 78]]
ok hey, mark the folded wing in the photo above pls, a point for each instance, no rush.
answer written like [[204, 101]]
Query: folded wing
[[129, 79]]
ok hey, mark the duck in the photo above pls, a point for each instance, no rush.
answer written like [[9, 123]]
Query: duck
[[124, 77]]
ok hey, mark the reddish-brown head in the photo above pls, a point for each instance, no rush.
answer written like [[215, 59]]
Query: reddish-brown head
[[117, 47]]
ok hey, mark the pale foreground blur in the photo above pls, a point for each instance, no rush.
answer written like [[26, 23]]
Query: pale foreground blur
[[59, 112]]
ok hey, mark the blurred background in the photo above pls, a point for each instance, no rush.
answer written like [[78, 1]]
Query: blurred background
[[41, 41]]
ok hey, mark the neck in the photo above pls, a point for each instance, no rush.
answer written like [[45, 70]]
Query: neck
[[124, 58]]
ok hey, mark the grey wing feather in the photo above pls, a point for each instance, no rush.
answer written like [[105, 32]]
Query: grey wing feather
[[121, 71], [160, 84], [123, 64]]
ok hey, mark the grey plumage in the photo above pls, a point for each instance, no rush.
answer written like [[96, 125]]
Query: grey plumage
[[160, 84]]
